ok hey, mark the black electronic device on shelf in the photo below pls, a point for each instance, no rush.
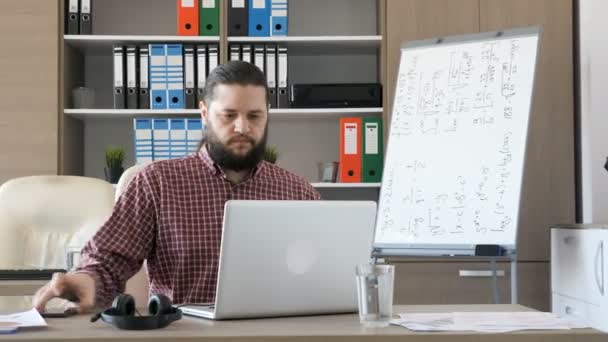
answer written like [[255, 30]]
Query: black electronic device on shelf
[[336, 95]]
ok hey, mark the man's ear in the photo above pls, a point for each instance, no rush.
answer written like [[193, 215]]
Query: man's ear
[[204, 110]]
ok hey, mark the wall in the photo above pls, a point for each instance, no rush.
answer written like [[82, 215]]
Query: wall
[[593, 109], [28, 88]]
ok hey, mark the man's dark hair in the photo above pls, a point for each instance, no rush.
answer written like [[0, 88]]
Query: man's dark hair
[[234, 72]]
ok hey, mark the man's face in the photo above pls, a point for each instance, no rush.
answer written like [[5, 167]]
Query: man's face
[[236, 122]]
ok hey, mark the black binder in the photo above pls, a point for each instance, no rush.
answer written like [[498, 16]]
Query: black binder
[[201, 70], [132, 82], [271, 74], [144, 84], [119, 77], [235, 52], [282, 78], [72, 17], [238, 18], [189, 80], [86, 18], [246, 53]]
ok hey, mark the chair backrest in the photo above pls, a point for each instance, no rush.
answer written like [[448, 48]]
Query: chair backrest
[[126, 178], [42, 216], [138, 285]]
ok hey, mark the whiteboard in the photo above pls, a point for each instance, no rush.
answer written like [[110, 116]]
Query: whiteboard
[[455, 152]]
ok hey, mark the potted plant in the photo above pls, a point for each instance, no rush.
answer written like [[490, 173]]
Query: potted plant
[[271, 154], [114, 159]]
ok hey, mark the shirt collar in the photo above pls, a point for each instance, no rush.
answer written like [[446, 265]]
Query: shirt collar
[[215, 169]]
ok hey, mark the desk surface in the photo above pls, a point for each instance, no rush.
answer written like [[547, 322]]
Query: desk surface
[[321, 328]]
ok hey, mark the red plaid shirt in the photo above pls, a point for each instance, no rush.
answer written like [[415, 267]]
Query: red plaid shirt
[[171, 214]]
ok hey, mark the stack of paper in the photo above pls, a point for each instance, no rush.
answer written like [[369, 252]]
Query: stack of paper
[[482, 321], [10, 323]]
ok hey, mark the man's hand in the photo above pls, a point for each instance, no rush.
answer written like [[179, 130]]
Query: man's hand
[[78, 288]]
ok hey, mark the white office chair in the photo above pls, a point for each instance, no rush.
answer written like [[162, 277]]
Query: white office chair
[[42, 216], [138, 285]]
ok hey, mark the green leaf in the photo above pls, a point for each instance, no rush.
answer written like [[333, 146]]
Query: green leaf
[[114, 157], [271, 154]]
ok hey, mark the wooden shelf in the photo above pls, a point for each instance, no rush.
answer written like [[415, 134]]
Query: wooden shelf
[[320, 113], [319, 45], [298, 45], [323, 113], [127, 113], [102, 44], [346, 185]]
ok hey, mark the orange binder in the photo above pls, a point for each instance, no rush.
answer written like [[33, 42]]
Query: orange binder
[[187, 17], [350, 150]]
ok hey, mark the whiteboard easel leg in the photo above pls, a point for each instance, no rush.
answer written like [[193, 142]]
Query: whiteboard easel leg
[[514, 280]]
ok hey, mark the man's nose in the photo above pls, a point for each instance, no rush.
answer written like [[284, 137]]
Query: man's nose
[[241, 125]]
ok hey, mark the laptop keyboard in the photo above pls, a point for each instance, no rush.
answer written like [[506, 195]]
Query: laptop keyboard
[[29, 274]]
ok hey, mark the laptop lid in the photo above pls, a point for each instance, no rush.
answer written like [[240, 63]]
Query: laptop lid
[[282, 258]]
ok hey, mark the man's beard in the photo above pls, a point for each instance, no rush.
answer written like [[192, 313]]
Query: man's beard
[[227, 160]]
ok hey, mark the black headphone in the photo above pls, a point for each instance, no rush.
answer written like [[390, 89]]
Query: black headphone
[[122, 313]]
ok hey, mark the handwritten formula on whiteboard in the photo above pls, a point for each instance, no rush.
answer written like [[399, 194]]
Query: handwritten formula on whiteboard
[[456, 146]]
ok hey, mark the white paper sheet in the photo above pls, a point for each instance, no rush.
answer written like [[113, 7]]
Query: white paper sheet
[[427, 321], [483, 321], [31, 318]]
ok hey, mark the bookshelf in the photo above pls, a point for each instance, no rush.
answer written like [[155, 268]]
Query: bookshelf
[[283, 113], [315, 45], [330, 41], [101, 44]]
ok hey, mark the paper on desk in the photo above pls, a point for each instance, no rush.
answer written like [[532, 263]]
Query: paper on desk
[[30, 318], [427, 321], [510, 321], [483, 321]]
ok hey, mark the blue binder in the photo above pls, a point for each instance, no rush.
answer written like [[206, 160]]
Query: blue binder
[[175, 76], [194, 134], [158, 76], [160, 137], [177, 138], [259, 18], [278, 17], [143, 140]]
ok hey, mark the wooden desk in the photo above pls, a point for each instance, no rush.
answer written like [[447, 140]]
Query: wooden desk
[[340, 328]]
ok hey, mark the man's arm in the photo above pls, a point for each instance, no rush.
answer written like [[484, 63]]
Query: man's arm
[[116, 252]]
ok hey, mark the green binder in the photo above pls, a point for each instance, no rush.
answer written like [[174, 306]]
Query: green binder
[[209, 18], [372, 156]]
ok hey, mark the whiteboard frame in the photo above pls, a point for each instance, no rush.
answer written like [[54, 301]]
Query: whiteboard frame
[[380, 250]]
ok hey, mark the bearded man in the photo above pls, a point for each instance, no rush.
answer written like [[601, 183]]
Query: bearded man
[[171, 213]]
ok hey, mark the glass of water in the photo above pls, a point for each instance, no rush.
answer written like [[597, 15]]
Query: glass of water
[[375, 294]]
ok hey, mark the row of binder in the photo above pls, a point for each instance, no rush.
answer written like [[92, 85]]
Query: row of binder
[[162, 76], [272, 60], [258, 18], [160, 139], [79, 19], [361, 150], [198, 17]]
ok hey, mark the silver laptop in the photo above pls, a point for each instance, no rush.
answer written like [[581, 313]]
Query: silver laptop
[[284, 258]]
